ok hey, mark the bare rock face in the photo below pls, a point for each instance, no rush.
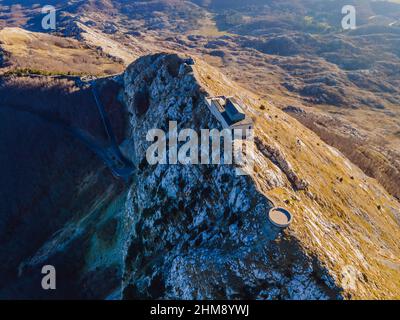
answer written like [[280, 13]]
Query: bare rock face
[[277, 157]]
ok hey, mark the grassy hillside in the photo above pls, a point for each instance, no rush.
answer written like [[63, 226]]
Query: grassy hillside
[[51, 54], [343, 216]]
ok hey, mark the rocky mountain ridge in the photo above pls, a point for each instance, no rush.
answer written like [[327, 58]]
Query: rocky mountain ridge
[[201, 232]]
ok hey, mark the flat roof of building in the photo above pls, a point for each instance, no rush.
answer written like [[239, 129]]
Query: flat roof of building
[[220, 103], [234, 103]]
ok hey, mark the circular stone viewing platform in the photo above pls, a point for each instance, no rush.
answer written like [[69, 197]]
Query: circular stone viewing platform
[[280, 217]]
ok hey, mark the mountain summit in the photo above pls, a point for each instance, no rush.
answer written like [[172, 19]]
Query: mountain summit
[[180, 231]]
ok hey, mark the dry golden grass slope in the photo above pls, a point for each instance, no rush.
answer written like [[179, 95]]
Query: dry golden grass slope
[[44, 52], [348, 220]]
